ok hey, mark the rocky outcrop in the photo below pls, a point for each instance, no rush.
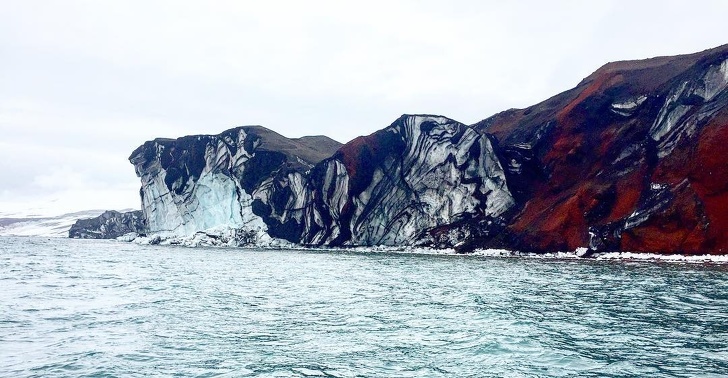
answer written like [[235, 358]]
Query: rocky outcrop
[[629, 160], [109, 225]]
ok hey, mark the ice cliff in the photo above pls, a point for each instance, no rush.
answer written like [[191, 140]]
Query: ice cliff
[[205, 182], [384, 189], [389, 187]]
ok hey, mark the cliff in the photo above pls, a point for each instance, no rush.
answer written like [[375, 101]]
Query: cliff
[[384, 189], [630, 159]]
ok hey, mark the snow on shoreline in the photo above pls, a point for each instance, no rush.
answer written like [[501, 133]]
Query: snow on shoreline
[[201, 239], [604, 256], [204, 240], [722, 259]]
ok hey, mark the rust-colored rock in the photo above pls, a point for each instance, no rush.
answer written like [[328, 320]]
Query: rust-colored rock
[[632, 159]]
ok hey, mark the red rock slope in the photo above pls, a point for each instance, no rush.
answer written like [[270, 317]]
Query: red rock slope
[[632, 159]]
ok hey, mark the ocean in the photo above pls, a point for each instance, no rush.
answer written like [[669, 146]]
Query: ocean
[[80, 308]]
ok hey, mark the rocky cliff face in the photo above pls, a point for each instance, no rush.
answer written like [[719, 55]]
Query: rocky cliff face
[[109, 225], [629, 160], [384, 189]]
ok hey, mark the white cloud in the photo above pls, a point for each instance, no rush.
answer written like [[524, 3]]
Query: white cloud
[[64, 178], [82, 83]]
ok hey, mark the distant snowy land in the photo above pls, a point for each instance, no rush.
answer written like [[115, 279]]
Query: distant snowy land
[[41, 223]]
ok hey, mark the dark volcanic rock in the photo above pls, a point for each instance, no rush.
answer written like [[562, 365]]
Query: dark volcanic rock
[[109, 225], [629, 160]]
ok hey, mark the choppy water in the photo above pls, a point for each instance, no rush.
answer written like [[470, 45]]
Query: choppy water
[[90, 308]]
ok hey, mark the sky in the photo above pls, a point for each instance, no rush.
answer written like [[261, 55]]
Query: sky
[[83, 83]]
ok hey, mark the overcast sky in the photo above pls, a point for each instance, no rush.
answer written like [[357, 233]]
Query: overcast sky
[[83, 83]]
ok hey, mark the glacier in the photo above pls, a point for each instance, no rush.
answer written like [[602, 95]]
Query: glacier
[[419, 173]]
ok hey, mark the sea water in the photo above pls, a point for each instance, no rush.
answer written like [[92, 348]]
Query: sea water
[[74, 308]]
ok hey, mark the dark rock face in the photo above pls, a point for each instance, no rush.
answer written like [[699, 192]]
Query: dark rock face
[[631, 159], [627, 161], [109, 225]]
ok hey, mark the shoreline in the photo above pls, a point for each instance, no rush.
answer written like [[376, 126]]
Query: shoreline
[[409, 250]]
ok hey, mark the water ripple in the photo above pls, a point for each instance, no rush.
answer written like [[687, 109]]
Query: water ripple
[[97, 309]]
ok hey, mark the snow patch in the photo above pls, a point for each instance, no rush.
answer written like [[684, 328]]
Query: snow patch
[[630, 104], [714, 81], [626, 108], [676, 119], [54, 226], [722, 259], [606, 256]]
